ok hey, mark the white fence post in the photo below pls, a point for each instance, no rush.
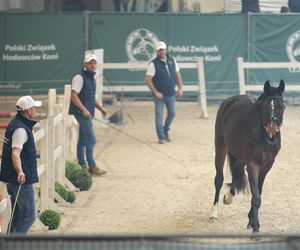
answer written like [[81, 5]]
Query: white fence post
[[241, 72], [43, 160], [69, 137], [51, 101], [50, 159], [59, 143], [5, 208], [202, 88], [71, 128]]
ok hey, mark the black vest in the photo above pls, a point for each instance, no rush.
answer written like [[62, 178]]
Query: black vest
[[86, 95], [28, 153], [164, 81]]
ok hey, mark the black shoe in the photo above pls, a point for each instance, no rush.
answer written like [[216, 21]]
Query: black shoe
[[168, 139], [161, 141]]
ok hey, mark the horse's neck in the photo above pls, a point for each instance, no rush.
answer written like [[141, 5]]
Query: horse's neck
[[253, 120]]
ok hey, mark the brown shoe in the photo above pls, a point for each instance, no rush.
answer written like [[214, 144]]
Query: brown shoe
[[97, 171]]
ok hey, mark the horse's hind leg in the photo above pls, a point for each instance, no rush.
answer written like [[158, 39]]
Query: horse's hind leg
[[221, 151], [238, 179]]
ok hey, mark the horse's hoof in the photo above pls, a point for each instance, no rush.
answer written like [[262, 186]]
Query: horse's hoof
[[249, 226], [212, 219], [255, 235], [227, 199]]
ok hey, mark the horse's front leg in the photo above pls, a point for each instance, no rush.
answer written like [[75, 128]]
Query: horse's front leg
[[253, 173]]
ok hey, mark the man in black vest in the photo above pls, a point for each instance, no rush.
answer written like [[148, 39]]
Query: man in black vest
[[161, 77], [82, 106], [250, 6], [294, 5], [19, 166]]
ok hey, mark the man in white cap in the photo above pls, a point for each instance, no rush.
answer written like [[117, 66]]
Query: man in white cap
[[19, 166], [161, 77], [82, 106]]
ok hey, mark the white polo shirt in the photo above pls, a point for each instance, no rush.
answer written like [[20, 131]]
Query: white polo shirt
[[19, 138], [77, 83]]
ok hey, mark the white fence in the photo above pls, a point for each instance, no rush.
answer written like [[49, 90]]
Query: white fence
[[199, 65], [262, 65], [56, 140]]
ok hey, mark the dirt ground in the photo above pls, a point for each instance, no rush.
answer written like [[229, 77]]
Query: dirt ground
[[169, 188], [146, 191]]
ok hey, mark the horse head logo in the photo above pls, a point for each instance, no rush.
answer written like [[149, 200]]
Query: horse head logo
[[140, 45], [293, 49]]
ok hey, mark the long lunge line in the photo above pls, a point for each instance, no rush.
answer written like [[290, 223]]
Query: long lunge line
[[150, 146]]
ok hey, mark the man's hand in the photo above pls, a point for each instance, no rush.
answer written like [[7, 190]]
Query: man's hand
[[86, 113], [103, 111], [159, 95], [75, 99], [21, 178], [179, 92]]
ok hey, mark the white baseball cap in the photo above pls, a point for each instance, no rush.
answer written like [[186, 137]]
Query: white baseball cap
[[90, 57], [26, 102], [161, 45]]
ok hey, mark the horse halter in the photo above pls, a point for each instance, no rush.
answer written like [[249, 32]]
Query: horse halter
[[273, 116], [273, 123]]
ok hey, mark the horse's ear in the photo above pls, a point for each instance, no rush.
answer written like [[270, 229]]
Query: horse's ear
[[281, 86], [267, 86]]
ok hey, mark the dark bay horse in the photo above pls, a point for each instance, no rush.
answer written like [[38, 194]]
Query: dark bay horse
[[248, 131]]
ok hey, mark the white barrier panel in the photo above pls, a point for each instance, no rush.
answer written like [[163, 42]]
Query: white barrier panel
[[262, 65], [199, 65]]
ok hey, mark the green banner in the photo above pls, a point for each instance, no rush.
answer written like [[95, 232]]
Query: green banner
[[219, 39], [274, 38], [2, 41], [42, 51], [39, 51]]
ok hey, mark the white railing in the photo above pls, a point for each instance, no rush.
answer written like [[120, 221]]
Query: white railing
[[262, 65], [199, 65], [55, 140]]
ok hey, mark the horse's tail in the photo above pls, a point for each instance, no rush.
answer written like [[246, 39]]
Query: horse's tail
[[239, 179]]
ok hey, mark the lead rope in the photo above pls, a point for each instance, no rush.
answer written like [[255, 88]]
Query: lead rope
[[150, 146], [13, 211]]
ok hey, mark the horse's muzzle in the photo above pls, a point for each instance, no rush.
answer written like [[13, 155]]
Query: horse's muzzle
[[272, 127]]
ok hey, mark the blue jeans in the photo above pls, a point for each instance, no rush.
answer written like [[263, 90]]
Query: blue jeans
[[170, 102], [24, 214], [86, 142]]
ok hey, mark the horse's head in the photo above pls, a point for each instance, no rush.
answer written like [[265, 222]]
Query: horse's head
[[272, 108]]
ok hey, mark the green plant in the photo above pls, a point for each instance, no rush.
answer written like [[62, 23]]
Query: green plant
[[64, 193], [81, 179], [70, 167], [71, 197], [50, 218]]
